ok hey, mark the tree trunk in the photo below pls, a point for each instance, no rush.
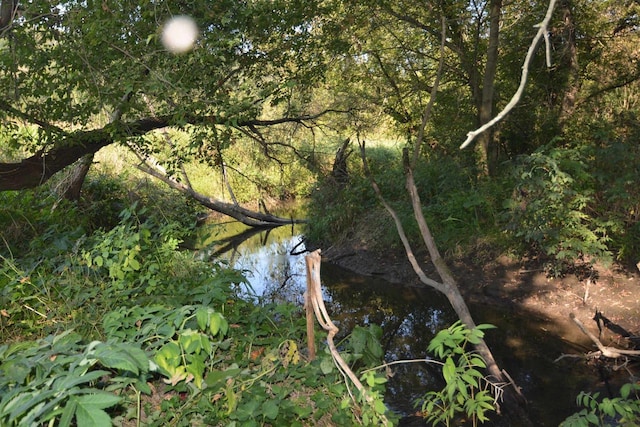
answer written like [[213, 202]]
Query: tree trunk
[[514, 401], [486, 144], [340, 173], [73, 183], [237, 212], [569, 61]]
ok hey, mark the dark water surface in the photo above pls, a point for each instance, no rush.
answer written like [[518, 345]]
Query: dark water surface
[[409, 317]]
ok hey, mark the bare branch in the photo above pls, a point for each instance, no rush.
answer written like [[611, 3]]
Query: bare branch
[[606, 351], [542, 32]]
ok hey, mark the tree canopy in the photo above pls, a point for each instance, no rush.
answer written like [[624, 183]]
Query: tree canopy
[[81, 75], [68, 68]]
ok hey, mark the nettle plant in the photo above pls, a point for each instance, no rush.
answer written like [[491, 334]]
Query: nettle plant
[[130, 254]]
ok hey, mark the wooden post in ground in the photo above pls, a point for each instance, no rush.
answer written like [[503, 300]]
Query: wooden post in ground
[[308, 306]]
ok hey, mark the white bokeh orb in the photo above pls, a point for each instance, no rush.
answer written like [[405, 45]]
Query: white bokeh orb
[[179, 34]]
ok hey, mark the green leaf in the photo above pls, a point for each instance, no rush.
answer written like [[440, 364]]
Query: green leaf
[[168, 357], [91, 416], [190, 341], [70, 381], [607, 407], [196, 368], [449, 370], [270, 409], [326, 366], [379, 406], [469, 379], [477, 361], [218, 324], [592, 418], [98, 399], [625, 390], [216, 379], [125, 357], [202, 317], [23, 403], [68, 412]]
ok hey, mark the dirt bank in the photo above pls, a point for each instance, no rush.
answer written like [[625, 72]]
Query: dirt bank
[[522, 285]]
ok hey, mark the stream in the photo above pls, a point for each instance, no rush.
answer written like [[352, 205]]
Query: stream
[[409, 317]]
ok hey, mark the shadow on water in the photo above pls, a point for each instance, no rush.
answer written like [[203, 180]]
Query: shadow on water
[[409, 318]]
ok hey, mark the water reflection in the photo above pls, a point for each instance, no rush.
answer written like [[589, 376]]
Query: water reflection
[[272, 259], [409, 318]]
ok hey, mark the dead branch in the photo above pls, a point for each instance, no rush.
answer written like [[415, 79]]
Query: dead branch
[[606, 351], [313, 298], [543, 31]]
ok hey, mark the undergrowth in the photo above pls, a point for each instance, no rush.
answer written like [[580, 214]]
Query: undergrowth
[[567, 204], [121, 326]]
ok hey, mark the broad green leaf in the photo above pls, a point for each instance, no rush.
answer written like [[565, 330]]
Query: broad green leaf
[[270, 409], [125, 357], [216, 379], [379, 406], [70, 381], [68, 412], [202, 317], [196, 368], [100, 400], [218, 324], [134, 264], [625, 390], [190, 341], [23, 403], [326, 366], [168, 357], [92, 416]]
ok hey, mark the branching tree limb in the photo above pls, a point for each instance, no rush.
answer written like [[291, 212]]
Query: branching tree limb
[[68, 147], [448, 286], [606, 351], [543, 31]]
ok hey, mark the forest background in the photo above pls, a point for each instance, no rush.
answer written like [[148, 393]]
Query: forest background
[[111, 146]]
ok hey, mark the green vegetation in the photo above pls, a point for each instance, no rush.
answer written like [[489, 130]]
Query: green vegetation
[[617, 411], [562, 204], [121, 326], [92, 250], [467, 391]]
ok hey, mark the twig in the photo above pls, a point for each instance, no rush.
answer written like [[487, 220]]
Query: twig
[[44, 316], [542, 32]]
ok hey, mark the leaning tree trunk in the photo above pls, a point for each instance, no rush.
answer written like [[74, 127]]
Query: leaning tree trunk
[[235, 211], [72, 184], [513, 398]]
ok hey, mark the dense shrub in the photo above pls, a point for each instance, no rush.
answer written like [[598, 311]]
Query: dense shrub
[[121, 326], [549, 211]]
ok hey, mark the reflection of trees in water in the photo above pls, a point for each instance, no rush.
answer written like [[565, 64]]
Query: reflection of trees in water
[[265, 256], [409, 318], [285, 280]]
